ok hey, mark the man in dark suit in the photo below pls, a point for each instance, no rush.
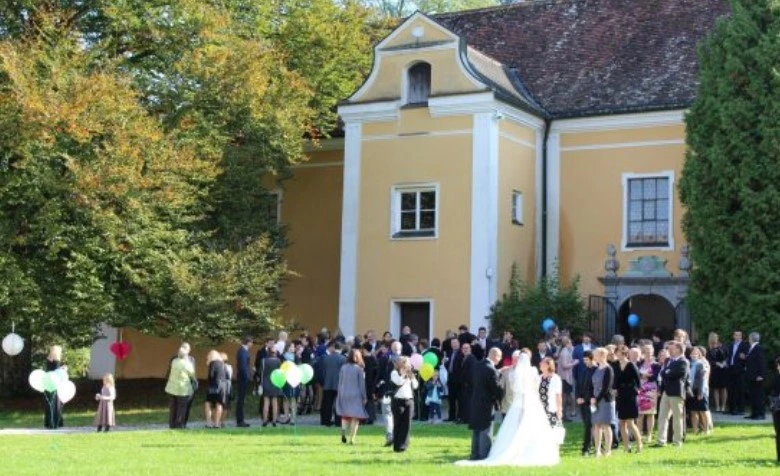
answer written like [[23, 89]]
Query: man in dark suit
[[755, 374], [542, 351], [584, 391], [464, 336], [586, 345], [454, 371], [486, 399], [331, 369], [675, 384], [244, 377], [736, 376], [467, 387]]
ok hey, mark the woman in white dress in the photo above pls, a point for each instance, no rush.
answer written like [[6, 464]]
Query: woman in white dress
[[525, 437]]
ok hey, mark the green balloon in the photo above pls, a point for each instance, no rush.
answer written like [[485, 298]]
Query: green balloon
[[49, 382], [430, 358], [278, 378], [307, 373]]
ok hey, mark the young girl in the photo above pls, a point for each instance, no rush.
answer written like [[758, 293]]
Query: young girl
[[104, 419], [434, 389]]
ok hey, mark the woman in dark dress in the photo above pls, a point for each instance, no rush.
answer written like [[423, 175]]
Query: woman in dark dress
[[217, 390], [627, 383], [53, 416], [718, 358], [271, 393]]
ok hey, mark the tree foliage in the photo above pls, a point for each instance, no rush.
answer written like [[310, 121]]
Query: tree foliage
[[523, 309], [136, 137], [731, 175]]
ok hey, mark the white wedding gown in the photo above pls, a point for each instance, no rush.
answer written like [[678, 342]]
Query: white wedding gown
[[525, 437]]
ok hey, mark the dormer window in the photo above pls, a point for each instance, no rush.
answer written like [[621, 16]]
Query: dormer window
[[419, 84]]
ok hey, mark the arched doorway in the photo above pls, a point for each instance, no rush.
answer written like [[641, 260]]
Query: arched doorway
[[654, 311]]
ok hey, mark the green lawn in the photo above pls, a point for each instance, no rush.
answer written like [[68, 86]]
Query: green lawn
[[732, 450]]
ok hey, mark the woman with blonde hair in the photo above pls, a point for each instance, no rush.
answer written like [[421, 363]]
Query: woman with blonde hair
[[718, 358], [551, 392], [217, 390], [627, 383], [179, 387], [229, 392], [53, 417], [602, 403], [402, 405], [698, 404]]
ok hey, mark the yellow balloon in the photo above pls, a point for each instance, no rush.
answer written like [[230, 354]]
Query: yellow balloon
[[287, 365], [426, 371]]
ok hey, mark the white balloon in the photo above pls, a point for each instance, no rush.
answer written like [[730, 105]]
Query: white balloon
[[36, 379], [294, 376], [66, 390], [13, 344]]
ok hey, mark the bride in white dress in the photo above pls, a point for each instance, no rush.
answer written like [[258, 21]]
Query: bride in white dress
[[525, 437]]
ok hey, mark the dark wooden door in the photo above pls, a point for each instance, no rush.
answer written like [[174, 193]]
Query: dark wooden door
[[417, 315]]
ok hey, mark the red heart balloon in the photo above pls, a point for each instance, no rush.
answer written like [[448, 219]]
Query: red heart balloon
[[121, 349]]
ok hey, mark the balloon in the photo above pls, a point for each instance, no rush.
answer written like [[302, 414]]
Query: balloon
[[13, 344], [61, 375], [547, 324], [50, 381], [431, 358], [633, 320], [426, 371], [36, 379], [416, 360], [287, 365], [294, 376], [278, 378], [66, 391], [120, 349], [307, 373]]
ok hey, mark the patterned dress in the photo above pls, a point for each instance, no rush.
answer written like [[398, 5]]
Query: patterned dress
[[544, 394]]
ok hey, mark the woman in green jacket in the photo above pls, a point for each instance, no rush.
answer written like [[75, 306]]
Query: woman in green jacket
[[179, 387]]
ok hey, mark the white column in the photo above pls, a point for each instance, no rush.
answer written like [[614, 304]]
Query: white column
[[101, 360], [553, 200], [539, 186], [484, 218], [350, 214]]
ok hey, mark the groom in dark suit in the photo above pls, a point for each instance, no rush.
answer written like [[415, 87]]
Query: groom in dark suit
[[484, 402], [755, 374]]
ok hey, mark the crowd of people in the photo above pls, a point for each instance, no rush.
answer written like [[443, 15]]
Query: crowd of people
[[645, 391], [638, 393]]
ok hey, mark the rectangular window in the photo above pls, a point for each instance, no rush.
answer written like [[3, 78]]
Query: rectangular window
[[517, 207], [414, 212], [648, 212]]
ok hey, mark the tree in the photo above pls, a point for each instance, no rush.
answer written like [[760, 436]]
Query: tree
[[134, 139], [731, 175], [523, 309]]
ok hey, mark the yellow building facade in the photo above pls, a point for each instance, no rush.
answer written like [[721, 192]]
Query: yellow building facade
[[485, 139]]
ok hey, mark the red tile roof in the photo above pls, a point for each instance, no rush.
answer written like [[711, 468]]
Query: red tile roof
[[591, 57]]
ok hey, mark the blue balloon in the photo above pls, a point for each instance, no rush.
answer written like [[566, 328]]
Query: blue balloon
[[633, 320], [548, 324]]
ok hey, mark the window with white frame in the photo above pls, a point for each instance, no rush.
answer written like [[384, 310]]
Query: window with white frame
[[648, 211], [517, 207], [414, 211], [418, 84]]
